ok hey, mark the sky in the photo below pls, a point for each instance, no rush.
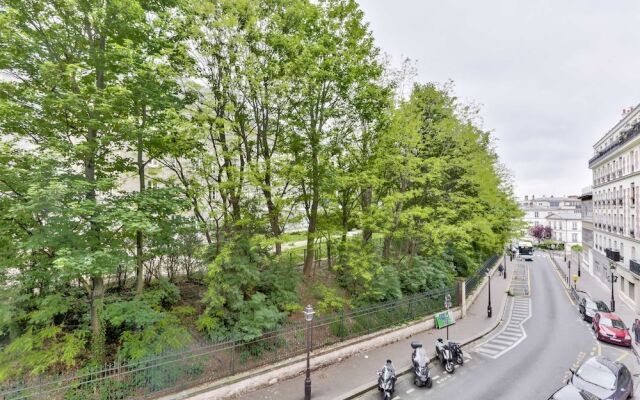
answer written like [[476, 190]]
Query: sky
[[551, 77]]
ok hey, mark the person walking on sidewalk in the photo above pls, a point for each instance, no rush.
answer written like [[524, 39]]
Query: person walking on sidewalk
[[500, 269], [636, 330]]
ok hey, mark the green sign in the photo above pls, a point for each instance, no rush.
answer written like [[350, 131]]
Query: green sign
[[444, 319]]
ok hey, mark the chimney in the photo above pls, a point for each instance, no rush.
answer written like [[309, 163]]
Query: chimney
[[626, 110]]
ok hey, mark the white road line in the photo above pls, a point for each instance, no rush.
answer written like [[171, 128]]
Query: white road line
[[514, 328], [502, 341], [436, 377], [410, 390]]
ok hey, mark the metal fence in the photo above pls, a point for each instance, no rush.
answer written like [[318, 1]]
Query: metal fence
[[172, 372], [472, 282]]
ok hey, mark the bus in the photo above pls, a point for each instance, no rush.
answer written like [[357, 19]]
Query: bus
[[525, 250]]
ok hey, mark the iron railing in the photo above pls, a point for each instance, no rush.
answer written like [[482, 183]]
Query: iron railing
[[206, 362]]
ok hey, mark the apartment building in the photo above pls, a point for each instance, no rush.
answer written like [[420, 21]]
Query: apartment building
[[562, 214], [615, 167], [586, 258]]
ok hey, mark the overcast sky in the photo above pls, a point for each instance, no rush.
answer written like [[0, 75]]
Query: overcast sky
[[551, 76]]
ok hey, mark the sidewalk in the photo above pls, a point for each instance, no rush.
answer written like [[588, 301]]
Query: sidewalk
[[359, 372], [598, 290]]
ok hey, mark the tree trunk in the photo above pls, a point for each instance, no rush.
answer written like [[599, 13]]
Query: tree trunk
[[386, 248], [97, 289], [367, 233], [313, 211], [98, 337], [139, 235]]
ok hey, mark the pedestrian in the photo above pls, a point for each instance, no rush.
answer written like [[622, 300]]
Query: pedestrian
[[500, 269], [636, 330]]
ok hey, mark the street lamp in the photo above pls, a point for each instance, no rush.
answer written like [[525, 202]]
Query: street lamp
[[504, 272], [489, 310], [569, 276], [308, 316], [579, 259], [613, 279]]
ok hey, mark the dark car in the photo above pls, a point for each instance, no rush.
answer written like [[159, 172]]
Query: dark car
[[604, 378], [589, 308], [610, 328], [571, 392]]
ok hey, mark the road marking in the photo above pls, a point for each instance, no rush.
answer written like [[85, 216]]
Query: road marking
[[512, 333], [622, 356], [436, 377], [599, 348], [410, 390]]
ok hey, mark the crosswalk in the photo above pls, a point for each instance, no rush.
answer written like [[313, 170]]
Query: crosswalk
[[512, 333]]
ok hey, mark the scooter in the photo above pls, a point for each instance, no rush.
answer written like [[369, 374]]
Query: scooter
[[421, 371], [387, 381], [444, 354], [456, 352]]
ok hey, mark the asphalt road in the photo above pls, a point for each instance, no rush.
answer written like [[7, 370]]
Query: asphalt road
[[555, 339]]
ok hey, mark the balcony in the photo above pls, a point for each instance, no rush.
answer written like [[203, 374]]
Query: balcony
[[615, 229], [613, 255], [620, 201], [609, 228], [634, 266], [624, 138], [632, 233]]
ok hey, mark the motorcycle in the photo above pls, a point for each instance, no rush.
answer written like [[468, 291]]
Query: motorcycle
[[387, 380], [443, 352], [456, 352], [421, 371]]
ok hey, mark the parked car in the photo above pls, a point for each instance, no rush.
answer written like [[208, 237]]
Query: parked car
[[589, 308], [603, 378], [571, 392], [610, 328]]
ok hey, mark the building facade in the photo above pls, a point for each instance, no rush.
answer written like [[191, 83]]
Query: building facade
[[566, 227], [615, 168], [586, 208], [562, 214]]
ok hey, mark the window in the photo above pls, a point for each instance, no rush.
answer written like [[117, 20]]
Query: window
[[622, 283], [633, 252], [535, 214], [574, 237], [575, 226]]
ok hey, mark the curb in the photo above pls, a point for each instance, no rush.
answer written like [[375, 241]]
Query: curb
[[406, 369]]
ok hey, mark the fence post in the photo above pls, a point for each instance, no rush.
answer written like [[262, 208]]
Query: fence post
[[462, 297], [233, 358]]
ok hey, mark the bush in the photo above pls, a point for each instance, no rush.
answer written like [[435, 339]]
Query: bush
[[360, 272], [419, 274], [249, 292]]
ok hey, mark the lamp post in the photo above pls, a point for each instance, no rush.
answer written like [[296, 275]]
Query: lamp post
[[489, 310], [569, 276], [504, 272], [613, 279], [579, 259], [308, 316]]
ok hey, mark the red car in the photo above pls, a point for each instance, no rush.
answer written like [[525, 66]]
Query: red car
[[610, 328]]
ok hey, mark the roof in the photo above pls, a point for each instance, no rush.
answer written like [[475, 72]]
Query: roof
[[602, 360], [610, 315], [569, 216]]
